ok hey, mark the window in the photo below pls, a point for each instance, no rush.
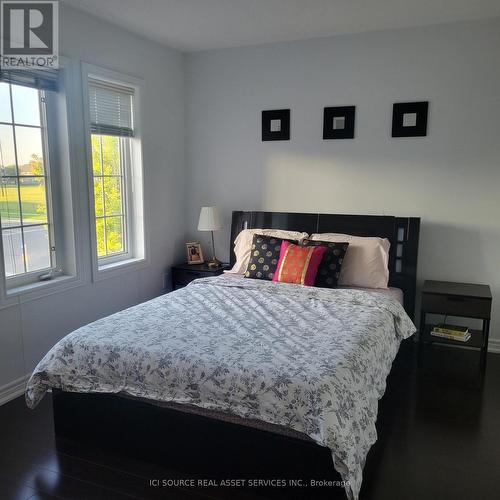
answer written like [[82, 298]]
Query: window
[[25, 201], [116, 171], [108, 166], [38, 220]]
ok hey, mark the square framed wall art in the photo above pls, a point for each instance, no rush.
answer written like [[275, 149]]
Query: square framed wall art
[[338, 122], [276, 125], [409, 119]]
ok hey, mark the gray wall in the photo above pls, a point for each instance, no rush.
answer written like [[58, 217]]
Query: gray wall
[[449, 178], [29, 329]]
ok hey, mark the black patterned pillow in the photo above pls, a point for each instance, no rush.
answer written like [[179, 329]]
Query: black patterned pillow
[[263, 257], [331, 264]]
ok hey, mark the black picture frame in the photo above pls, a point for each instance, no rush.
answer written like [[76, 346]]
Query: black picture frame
[[409, 119], [273, 131], [338, 122]]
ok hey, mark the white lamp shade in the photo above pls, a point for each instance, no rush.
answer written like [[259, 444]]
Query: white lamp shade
[[209, 219]]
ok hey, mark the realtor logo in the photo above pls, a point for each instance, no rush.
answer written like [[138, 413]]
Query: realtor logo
[[29, 35]]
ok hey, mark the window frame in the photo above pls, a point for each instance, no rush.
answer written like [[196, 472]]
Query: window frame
[[137, 254], [63, 129], [127, 231], [30, 277]]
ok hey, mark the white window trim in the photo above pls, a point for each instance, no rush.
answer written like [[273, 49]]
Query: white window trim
[[137, 258], [34, 290], [30, 278]]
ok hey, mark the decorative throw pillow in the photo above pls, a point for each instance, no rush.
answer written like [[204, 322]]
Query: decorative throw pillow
[[244, 240], [298, 264], [264, 257], [331, 264], [366, 262]]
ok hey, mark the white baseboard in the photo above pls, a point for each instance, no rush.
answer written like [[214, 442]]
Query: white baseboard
[[494, 345], [13, 390]]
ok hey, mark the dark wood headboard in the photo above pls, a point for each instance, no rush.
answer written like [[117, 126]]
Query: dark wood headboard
[[402, 232]]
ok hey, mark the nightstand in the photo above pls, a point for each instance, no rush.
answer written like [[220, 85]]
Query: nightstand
[[464, 300], [183, 274]]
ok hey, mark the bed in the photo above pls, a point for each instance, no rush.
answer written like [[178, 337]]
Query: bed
[[304, 363]]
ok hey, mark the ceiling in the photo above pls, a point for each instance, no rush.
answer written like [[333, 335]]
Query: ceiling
[[193, 25]]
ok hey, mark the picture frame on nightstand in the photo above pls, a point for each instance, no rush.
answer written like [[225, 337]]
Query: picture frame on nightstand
[[194, 253]]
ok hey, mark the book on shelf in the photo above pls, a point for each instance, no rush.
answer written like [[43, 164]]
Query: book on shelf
[[451, 329], [459, 333]]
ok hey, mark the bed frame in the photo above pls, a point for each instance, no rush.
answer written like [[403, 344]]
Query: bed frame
[[199, 446]]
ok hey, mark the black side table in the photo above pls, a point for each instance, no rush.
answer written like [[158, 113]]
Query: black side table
[[183, 274], [464, 300]]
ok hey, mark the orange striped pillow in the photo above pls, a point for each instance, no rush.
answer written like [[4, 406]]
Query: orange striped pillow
[[298, 264]]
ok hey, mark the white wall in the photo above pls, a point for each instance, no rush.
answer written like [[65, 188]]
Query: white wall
[[29, 329], [450, 178]]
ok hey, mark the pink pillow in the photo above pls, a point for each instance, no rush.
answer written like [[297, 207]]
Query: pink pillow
[[298, 264]]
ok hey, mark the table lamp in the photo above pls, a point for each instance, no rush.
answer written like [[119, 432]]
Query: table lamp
[[210, 221]]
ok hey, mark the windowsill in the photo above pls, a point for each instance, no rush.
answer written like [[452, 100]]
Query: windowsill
[[115, 268], [41, 288]]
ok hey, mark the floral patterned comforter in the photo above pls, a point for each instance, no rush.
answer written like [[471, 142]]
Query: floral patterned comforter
[[311, 359]]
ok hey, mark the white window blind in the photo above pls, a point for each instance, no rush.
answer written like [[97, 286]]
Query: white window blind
[[41, 79], [110, 109]]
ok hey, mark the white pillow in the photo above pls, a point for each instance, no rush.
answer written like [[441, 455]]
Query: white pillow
[[366, 262], [243, 245]]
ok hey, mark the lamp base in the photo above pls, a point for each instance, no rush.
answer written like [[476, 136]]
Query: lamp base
[[214, 263]]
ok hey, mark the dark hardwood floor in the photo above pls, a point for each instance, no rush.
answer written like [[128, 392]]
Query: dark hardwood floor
[[438, 439]]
